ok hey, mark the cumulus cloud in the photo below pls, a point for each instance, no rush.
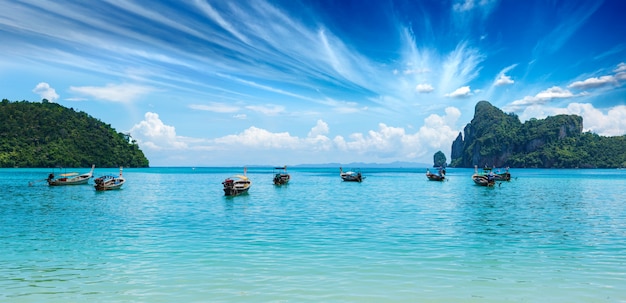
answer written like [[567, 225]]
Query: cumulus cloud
[[608, 80], [594, 82], [260, 138], [152, 133], [44, 90], [396, 143], [387, 143], [542, 97], [461, 92], [113, 92], [611, 123], [503, 80], [424, 88], [320, 129]]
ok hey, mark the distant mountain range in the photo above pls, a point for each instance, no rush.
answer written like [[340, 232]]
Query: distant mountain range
[[397, 164]]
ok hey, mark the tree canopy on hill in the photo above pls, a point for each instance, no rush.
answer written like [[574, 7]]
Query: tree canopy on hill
[[494, 138], [34, 134]]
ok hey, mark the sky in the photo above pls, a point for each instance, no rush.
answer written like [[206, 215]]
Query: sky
[[235, 83]]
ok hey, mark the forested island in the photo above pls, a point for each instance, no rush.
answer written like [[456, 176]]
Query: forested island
[[494, 138], [46, 134]]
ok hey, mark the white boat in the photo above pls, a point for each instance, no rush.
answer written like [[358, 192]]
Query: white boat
[[281, 178], [351, 176], [109, 182], [70, 178], [237, 185]]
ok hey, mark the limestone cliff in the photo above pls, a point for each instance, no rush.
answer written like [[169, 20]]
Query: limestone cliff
[[494, 138]]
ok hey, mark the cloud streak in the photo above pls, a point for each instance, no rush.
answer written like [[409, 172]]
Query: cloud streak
[[122, 93]]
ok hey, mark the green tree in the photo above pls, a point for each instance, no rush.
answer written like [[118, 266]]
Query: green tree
[[34, 134]]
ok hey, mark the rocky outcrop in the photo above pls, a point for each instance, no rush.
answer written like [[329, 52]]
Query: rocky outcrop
[[494, 138]]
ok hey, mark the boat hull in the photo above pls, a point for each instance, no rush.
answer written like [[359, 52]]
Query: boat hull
[[62, 182], [281, 179], [70, 180], [109, 187], [110, 184], [434, 177], [235, 192], [352, 177], [483, 180], [236, 188], [503, 177]]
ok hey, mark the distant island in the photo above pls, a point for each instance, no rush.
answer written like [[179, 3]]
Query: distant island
[[494, 138], [46, 134]]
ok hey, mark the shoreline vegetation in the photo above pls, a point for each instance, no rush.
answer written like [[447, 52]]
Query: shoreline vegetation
[[45, 134], [496, 139]]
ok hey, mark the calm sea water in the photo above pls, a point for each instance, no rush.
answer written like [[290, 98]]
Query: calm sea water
[[170, 235]]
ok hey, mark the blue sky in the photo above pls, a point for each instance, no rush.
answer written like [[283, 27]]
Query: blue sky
[[233, 83]]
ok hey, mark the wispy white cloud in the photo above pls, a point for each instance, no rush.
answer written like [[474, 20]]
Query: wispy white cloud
[[270, 110], [216, 107], [45, 91], [214, 15], [571, 18], [114, 92], [468, 5], [464, 5], [502, 78], [460, 67]]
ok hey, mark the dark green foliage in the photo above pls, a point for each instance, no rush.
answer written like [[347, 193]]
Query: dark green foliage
[[47, 134], [439, 159], [494, 138]]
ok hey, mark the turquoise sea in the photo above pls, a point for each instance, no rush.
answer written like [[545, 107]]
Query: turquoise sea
[[170, 235]]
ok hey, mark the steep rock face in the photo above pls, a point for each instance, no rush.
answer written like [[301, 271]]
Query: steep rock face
[[492, 138], [457, 147]]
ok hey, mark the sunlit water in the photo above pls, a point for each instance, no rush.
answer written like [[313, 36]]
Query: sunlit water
[[170, 235]]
